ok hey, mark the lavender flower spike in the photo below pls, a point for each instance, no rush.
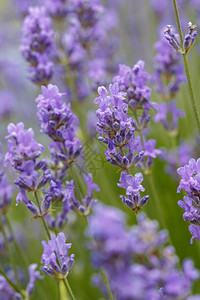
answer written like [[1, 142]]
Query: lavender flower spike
[[37, 44], [174, 39], [33, 275], [133, 187], [190, 183], [195, 231], [55, 257]]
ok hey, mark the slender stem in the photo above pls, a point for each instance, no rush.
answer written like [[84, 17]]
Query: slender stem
[[58, 289], [175, 146], [9, 251], [42, 217], [178, 22], [105, 279], [158, 206], [24, 258], [156, 199], [187, 71], [10, 282], [67, 285]]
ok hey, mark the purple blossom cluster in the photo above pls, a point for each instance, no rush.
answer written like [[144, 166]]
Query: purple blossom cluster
[[128, 92], [58, 122], [168, 74], [6, 190], [116, 127], [177, 157], [83, 207], [174, 39], [37, 44], [58, 9], [168, 114], [190, 183], [23, 152], [167, 77], [137, 261], [89, 51], [55, 257], [48, 175], [7, 292], [133, 187]]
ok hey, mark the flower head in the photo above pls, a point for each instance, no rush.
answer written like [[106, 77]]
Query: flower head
[[55, 257]]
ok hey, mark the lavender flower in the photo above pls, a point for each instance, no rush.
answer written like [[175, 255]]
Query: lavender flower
[[58, 9], [190, 183], [7, 101], [23, 152], [82, 206], [133, 187], [58, 121], [115, 123], [169, 114], [133, 82], [23, 148], [55, 257], [89, 47], [33, 275], [177, 157], [174, 38], [37, 44], [190, 178], [168, 74], [8, 293], [6, 190], [195, 231], [57, 196], [137, 262]]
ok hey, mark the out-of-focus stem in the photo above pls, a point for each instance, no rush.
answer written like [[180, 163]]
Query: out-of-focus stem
[[10, 282], [106, 282], [187, 71], [24, 258], [9, 251], [156, 199]]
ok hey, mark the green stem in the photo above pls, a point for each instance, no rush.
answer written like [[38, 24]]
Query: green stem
[[156, 199], [10, 282], [58, 289], [194, 107], [178, 22], [24, 258], [106, 282], [187, 71], [175, 147], [9, 251], [67, 286], [42, 217]]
